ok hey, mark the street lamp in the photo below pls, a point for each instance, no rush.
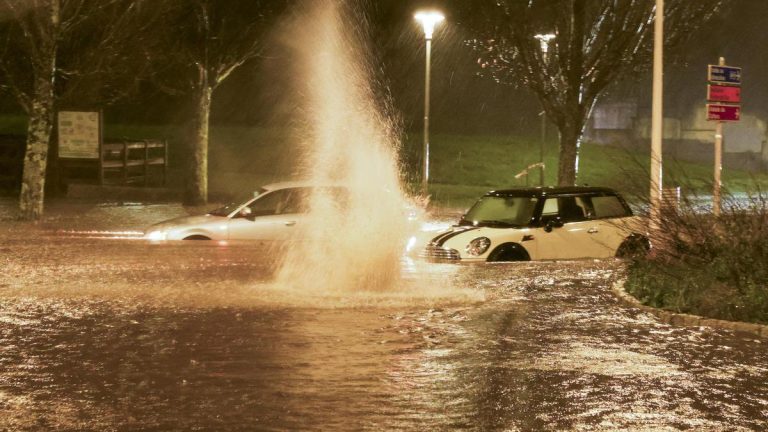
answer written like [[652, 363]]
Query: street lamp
[[428, 19], [544, 41], [657, 116]]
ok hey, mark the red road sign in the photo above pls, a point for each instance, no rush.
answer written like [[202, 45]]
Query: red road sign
[[723, 112], [722, 93]]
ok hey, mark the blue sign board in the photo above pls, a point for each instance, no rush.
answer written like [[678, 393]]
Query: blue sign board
[[724, 74]]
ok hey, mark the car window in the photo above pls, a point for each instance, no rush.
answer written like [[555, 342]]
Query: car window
[[585, 204], [296, 202], [267, 204], [225, 210], [608, 207], [284, 201], [550, 207], [506, 210], [568, 209]]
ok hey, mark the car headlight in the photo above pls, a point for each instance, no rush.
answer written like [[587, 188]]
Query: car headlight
[[478, 246], [411, 244], [157, 235]]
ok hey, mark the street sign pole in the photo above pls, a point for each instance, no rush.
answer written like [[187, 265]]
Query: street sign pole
[[718, 168], [724, 97], [718, 162]]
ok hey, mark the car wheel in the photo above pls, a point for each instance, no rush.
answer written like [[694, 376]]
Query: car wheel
[[635, 246], [509, 252], [197, 237]]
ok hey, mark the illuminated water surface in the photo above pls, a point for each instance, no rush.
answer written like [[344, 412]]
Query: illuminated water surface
[[116, 334]]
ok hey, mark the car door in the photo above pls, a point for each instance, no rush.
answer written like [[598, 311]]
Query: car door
[[575, 238], [608, 229], [275, 216]]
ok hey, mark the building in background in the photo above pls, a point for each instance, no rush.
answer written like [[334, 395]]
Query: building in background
[[685, 139]]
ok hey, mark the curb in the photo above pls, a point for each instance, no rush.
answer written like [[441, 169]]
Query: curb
[[686, 320]]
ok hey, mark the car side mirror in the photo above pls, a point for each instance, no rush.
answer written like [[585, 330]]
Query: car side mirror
[[553, 223], [246, 213]]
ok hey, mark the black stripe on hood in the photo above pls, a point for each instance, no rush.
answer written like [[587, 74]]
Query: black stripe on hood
[[444, 237]]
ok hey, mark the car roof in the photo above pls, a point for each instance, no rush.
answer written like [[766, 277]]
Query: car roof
[[298, 183], [552, 190]]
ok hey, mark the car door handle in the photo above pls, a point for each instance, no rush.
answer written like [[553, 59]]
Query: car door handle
[[290, 223], [592, 230]]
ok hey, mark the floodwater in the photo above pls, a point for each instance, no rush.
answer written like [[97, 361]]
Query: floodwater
[[102, 331]]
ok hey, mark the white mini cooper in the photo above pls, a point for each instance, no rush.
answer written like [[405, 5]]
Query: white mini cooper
[[547, 223]]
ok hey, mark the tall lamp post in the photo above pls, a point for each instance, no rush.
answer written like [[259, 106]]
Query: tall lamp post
[[428, 20], [544, 41], [657, 116]]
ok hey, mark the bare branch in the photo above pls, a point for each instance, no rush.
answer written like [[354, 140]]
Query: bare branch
[[597, 41]]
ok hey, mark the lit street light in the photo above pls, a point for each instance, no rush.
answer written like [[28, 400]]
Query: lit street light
[[544, 41], [428, 20]]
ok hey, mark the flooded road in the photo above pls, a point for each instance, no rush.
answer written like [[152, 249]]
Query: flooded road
[[99, 333]]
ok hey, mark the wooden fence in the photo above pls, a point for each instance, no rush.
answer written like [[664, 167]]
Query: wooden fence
[[134, 163]]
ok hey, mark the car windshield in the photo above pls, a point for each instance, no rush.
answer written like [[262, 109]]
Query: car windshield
[[493, 210], [229, 208]]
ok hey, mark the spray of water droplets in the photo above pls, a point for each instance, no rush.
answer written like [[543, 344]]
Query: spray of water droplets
[[353, 243]]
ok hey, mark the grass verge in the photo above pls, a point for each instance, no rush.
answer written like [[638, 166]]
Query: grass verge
[[463, 167]]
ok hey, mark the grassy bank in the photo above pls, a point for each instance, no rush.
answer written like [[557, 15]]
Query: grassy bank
[[709, 291], [462, 166]]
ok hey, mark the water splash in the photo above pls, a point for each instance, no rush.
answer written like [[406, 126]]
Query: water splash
[[351, 141]]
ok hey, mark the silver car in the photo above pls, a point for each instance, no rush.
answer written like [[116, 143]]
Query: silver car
[[274, 213]]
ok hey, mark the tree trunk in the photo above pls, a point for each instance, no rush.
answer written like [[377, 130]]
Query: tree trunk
[[40, 111], [197, 184], [570, 143], [36, 155], [572, 125]]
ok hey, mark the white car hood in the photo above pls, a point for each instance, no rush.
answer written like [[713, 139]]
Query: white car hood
[[454, 231], [458, 237], [199, 220]]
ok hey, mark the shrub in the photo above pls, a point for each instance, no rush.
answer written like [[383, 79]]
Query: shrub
[[707, 265]]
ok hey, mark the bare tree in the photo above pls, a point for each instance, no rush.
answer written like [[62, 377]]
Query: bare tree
[[52, 49], [596, 42], [210, 40]]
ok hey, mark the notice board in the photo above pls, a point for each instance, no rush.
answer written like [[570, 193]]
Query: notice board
[[79, 134]]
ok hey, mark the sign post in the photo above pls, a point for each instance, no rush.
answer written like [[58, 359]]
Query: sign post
[[723, 93], [79, 144], [724, 97], [79, 134]]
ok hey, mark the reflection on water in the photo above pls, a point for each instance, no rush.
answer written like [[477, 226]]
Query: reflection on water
[[125, 335]]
